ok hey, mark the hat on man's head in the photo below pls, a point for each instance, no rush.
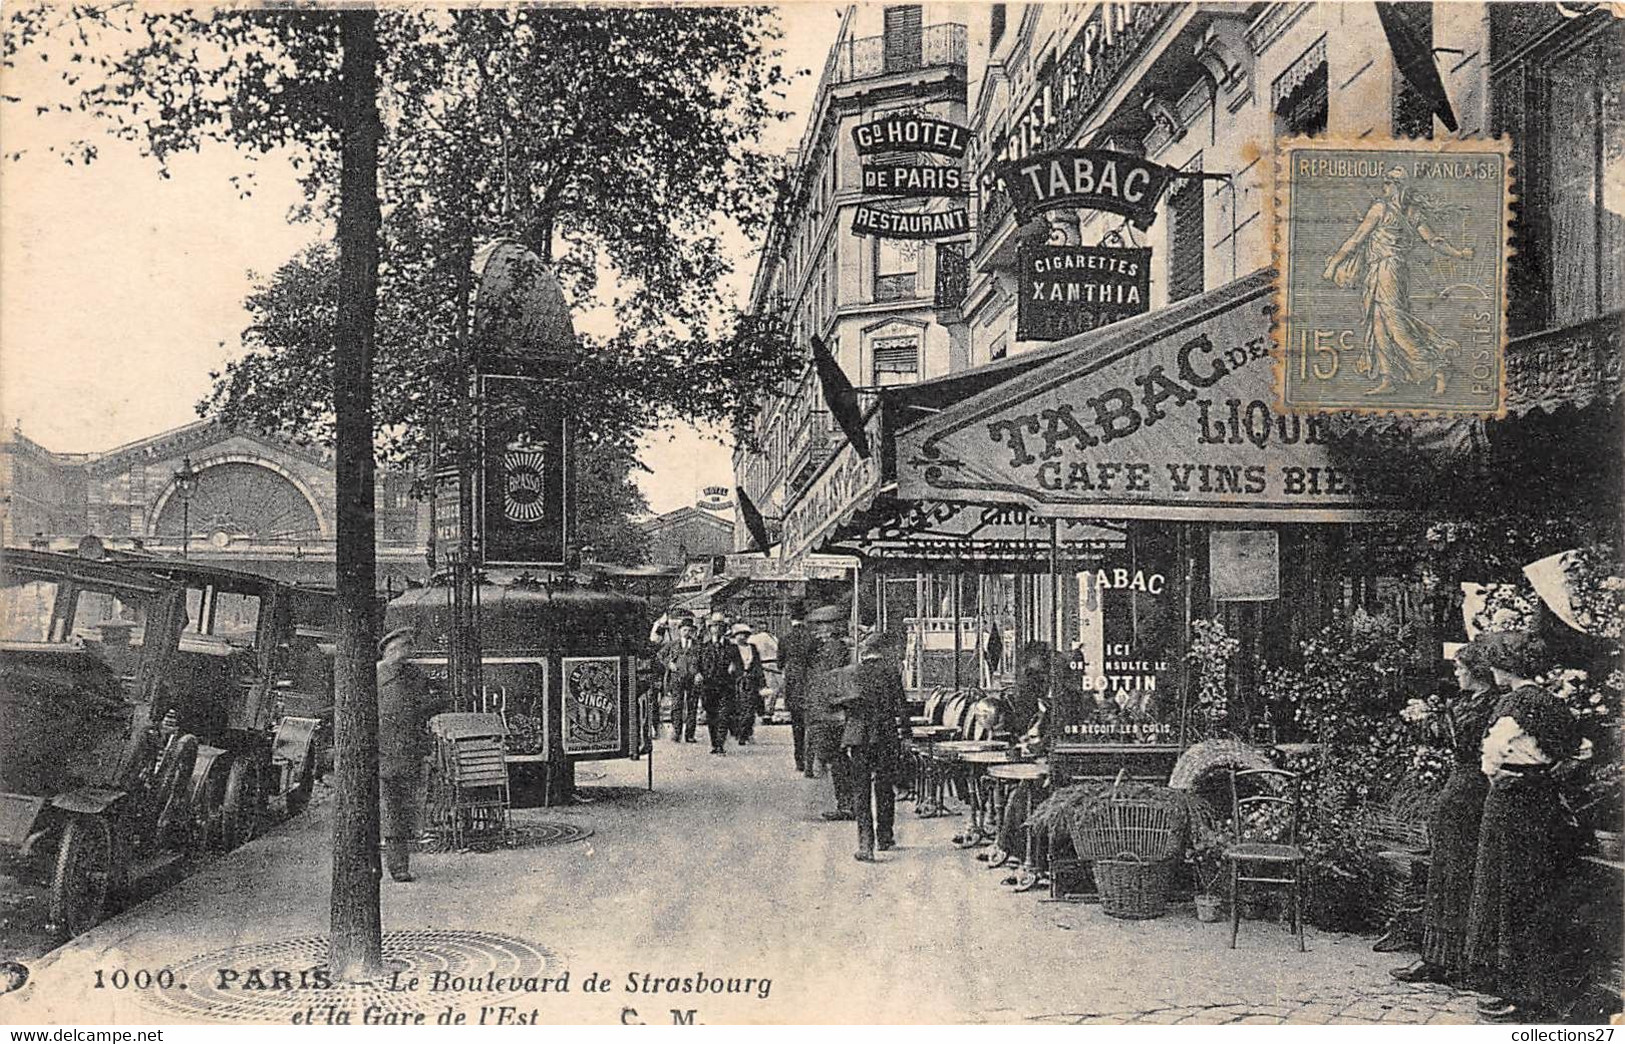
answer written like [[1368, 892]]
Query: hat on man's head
[[827, 614], [716, 618], [1516, 652], [686, 623], [407, 632], [740, 628]]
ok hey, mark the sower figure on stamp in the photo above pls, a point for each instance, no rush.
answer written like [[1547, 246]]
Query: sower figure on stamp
[[404, 705], [1399, 345], [876, 724]]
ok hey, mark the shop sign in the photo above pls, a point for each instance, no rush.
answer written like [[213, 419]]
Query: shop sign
[[1089, 179], [847, 481], [1167, 415], [448, 530], [522, 510], [905, 132], [1112, 38], [1068, 290], [592, 705], [922, 180], [910, 224]]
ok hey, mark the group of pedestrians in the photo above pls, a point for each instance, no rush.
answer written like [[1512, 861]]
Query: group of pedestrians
[[722, 670], [850, 717]]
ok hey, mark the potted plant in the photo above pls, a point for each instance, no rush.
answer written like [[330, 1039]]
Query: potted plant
[[1209, 839]]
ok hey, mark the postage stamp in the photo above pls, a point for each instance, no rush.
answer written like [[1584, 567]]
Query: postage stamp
[[1391, 268]]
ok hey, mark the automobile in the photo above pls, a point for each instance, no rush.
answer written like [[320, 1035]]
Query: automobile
[[143, 702]]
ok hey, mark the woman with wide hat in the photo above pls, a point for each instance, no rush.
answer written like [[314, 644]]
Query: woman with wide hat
[[1525, 848]]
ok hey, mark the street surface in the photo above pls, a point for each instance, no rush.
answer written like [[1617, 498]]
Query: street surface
[[724, 872]]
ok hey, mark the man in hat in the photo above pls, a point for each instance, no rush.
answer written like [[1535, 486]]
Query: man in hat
[[872, 738], [796, 651], [717, 677], [681, 655], [404, 705], [825, 719]]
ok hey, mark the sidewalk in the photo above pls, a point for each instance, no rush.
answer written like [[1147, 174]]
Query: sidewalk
[[725, 872]]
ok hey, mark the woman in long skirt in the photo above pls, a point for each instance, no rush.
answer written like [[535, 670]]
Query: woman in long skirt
[[1453, 828], [1524, 849]]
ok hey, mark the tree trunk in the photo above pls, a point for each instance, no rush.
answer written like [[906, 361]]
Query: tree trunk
[[355, 946]]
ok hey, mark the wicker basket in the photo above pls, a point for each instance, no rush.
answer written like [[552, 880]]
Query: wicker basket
[[1149, 828], [1133, 888]]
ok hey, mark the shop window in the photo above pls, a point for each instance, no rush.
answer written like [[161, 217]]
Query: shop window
[[897, 360], [897, 267], [1298, 97], [1187, 245], [902, 37], [1413, 116]]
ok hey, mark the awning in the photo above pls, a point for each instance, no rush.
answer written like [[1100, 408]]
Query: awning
[[925, 535], [1169, 415]]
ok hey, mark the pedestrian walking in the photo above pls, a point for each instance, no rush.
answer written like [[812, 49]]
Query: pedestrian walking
[[752, 678], [404, 706], [717, 678], [872, 740], [825, 719], [797, 648], [1514, 935], [681, 656], [1453, 826]]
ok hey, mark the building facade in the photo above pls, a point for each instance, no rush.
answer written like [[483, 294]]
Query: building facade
[[874, 302], [701, 531]]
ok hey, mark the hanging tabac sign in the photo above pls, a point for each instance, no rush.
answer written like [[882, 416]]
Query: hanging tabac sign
[[909, 132], [1090, 179], [522, 505], [910, 224], [1068, 290]]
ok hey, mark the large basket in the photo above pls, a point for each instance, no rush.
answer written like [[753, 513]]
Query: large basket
[[1150, 829], [1133, 888]]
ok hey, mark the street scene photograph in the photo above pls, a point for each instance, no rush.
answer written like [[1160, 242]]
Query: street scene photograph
[[523, 513]]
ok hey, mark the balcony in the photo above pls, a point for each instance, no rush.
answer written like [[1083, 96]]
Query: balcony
[[935, 46], [810, 447], [953, 276]]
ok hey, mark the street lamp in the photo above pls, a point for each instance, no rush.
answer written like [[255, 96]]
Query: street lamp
[[186, 485]]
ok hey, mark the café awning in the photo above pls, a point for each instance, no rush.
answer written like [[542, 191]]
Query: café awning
[[1169, 415]]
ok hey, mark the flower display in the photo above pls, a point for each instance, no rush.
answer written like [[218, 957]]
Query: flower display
[[1210, 654]]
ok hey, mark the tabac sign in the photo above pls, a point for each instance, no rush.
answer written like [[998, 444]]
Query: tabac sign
[[1094, 179], [1166, 415]]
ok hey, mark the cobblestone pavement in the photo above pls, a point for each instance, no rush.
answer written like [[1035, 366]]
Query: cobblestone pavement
[[728, 870]]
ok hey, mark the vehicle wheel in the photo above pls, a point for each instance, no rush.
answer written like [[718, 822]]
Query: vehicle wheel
[[209, 803], [172, 788], [244, 810], [84, 867]]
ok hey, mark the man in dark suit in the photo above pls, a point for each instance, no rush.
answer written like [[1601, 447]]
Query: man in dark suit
[[681, 655], [825, 718], [717, 676], [404, 705], [796, 650], [876, 725]]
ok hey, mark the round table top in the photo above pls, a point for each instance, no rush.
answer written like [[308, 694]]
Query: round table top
[[990, 757], [919, 719], [1025, 771], [954, 748], [933, 732]]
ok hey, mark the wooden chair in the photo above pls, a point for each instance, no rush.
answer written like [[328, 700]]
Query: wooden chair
[[1274, 859]]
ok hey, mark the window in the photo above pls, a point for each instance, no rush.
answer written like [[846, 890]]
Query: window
[[995, 30], [897, 360], [1186, 241], [25, 612], [95, 608], [902, 37], [1585, 138], [237, 617], [1413, 116], [897, 265], [1298, 96]]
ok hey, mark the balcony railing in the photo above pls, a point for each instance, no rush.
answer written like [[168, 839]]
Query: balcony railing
[[928, 48]]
